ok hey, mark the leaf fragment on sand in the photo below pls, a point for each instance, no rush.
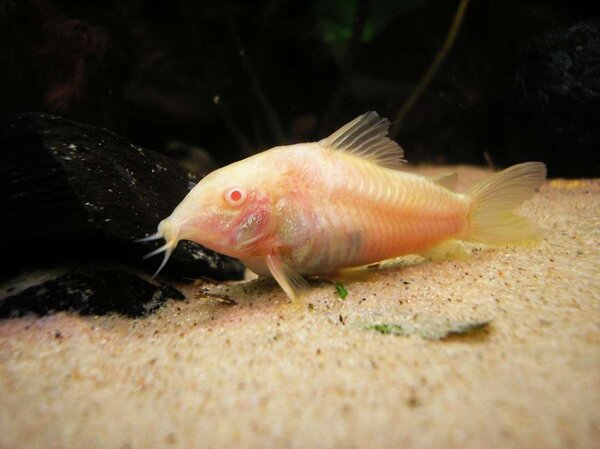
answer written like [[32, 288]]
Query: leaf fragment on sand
[[341, 290], [429, 331], [394, 329]]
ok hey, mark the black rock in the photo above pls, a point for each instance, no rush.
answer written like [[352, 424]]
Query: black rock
[[90, 293], [74, 192]]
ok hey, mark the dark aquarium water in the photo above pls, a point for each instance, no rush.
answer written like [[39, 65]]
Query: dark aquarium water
[[210, 82]]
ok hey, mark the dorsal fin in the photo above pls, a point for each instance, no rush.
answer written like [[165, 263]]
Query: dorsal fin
[[448, 180], [366, 137]]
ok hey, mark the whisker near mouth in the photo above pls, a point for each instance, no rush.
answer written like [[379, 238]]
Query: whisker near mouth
[[165, 231], [156, 236], [162, 249], [164, 261], [167, 249]]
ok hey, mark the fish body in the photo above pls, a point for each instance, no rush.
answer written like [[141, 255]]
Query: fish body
[[336, 210], [313, 208]]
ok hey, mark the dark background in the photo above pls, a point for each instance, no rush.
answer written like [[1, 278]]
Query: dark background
[[225, 79]]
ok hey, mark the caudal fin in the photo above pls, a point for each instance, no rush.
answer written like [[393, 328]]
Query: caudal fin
[[491, 218]]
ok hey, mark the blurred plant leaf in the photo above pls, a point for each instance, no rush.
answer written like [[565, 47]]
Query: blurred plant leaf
[[336, 17], [341, 290]]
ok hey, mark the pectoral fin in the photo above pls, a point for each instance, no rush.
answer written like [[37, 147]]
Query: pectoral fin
[[292, 283]]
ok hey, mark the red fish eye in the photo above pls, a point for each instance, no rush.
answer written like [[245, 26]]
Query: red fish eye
[[235, 196]]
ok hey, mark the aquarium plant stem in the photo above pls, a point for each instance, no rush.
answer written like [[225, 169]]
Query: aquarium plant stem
[[432, 69]]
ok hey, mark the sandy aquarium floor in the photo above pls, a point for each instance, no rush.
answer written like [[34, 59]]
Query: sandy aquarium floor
[[205, 373]]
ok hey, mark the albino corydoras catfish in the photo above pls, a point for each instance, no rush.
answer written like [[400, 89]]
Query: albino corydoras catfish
[[313, 208]]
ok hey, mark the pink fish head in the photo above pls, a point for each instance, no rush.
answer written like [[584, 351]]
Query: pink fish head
[[229, 211]]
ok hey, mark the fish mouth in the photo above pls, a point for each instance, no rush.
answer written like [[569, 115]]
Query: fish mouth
[[168, 231]]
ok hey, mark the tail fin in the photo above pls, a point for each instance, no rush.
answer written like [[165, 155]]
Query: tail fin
[[491, 218]]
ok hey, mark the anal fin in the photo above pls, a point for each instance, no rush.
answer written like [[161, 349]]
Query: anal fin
[[446, 250], [292, 283], [351, 274]]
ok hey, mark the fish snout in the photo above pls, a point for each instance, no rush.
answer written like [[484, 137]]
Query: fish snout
[[169, 231]]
